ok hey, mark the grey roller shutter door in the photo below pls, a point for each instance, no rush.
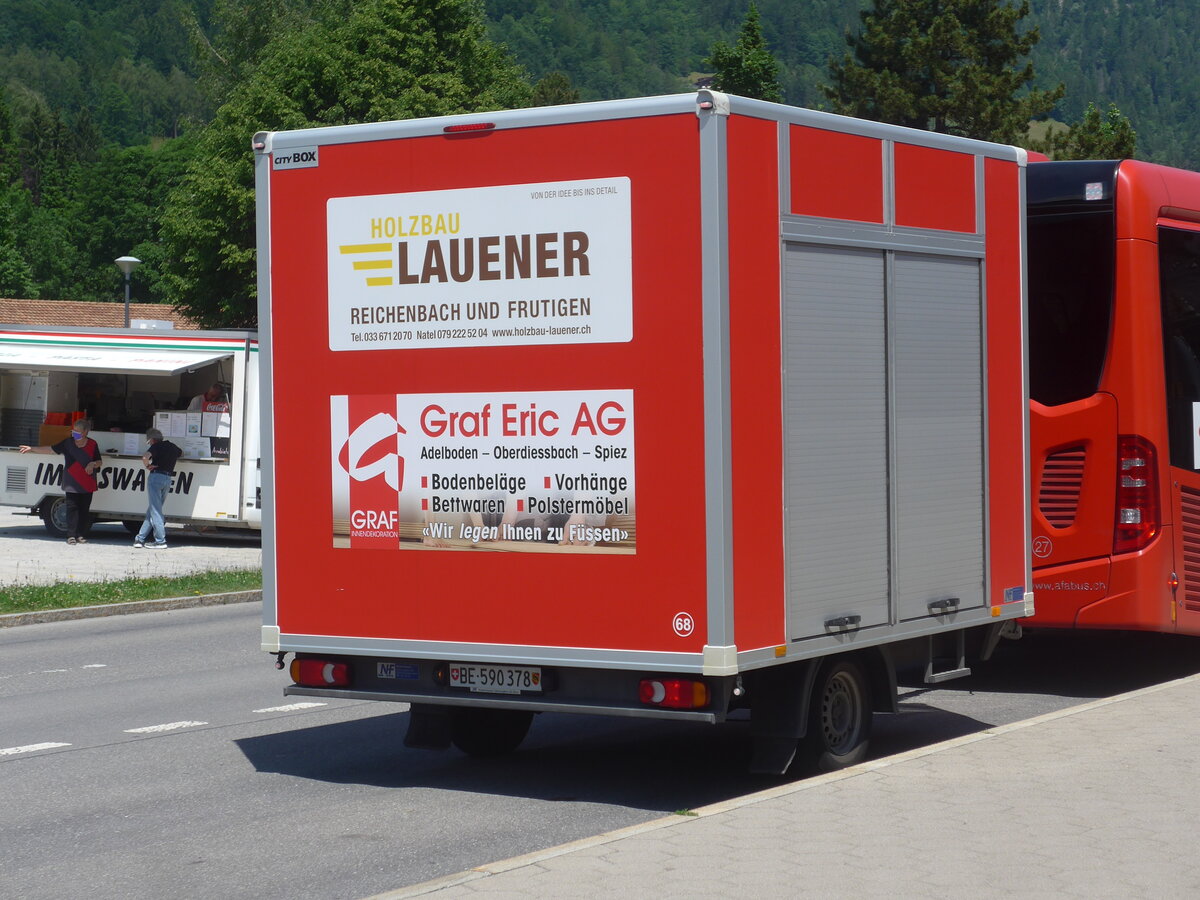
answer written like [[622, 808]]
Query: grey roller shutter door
[[836, 437], [938, 460]]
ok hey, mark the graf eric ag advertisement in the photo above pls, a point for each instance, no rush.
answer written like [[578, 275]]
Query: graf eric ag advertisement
[[505, 265], [546, 471]]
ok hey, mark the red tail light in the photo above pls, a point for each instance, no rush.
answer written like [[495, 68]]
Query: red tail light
[[1138, 517], [320, 673], [673, 693], [470, 126]]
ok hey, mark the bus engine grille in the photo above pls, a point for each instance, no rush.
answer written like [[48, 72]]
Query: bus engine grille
[[1190, 502], [1062, 478]]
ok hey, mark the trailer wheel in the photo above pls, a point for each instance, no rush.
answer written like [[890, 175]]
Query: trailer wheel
[[489, 732], [54, 517], [132, 526], [839, 717]]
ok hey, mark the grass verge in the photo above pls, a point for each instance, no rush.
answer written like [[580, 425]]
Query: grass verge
[[64, 595]]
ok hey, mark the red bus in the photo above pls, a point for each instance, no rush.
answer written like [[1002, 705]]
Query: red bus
[[1114, 333]]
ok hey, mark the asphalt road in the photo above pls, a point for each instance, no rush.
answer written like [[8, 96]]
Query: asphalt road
[[154, 755]]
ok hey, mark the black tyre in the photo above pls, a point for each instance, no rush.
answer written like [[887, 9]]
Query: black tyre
[[54, 517], [489, 732], [132, 526], [839, 717]]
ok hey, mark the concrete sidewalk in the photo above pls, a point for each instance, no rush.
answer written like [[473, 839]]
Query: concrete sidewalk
[[1100, 800], [30, 555]]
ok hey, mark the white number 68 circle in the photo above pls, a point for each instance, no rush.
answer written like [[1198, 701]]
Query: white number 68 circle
[[683, 623]]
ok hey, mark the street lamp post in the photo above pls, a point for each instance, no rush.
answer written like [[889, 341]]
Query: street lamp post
[[127, 264]]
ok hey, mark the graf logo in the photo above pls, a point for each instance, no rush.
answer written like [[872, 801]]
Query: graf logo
[[375, 519], [372, 261], [372, 451]]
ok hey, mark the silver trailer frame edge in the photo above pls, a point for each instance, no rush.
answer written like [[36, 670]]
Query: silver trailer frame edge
[[720, 651], [262, 213], [627, 109]]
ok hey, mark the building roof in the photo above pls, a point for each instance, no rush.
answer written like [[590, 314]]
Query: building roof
[[86, 314]]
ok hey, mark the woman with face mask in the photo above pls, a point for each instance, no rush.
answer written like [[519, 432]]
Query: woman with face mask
[[81, 461]]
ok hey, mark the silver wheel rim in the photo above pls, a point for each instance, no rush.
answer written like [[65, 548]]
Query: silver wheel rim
[[58, 514], [841, 713]]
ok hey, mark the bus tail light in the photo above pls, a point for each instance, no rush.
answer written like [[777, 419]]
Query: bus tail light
[[1138, 518], [320, 673], [673, 693]]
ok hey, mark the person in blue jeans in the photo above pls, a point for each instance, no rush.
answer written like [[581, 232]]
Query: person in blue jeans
[[159, 459]]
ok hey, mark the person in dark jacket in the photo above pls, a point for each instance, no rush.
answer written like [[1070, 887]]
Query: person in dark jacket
[[159, 459], [81, 460]]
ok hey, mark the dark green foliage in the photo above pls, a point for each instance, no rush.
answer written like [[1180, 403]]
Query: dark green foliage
[[1144, 57], [553, 89], [374, 60], [69, 207], [954, 66], [1096, 136], [238, 32], [127, 61], [121, 203], [611, 49], [85, 82], [748, 68]]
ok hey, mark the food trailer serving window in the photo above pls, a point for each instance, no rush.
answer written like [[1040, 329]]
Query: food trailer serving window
[[124, 390]]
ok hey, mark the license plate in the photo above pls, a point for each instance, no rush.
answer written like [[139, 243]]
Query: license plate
[[496, 679]]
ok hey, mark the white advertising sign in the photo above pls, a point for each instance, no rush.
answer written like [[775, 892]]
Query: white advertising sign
[[496, 266], [547, 471], [1196, 436]]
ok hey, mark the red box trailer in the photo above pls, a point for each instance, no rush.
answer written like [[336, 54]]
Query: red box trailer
[[661, 407]]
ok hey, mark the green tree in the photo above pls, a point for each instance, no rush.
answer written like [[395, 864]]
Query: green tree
[[16, 277], [554, 89], [241, 31], [1095, 136], [952, 66], [8, 145], [366, 61], [118, 209], [747, 68]]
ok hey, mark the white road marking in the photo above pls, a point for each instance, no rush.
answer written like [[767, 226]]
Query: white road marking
[[290, 707], [169, 726], [52, 671], [29, 748]]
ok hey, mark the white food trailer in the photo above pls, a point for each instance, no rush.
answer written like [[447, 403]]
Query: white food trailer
[[126, 381]]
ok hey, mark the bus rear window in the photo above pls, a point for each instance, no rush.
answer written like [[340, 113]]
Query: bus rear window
[[1071, 263], [1179, 275]]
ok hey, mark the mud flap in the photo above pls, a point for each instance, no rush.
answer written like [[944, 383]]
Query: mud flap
[[779, 699]]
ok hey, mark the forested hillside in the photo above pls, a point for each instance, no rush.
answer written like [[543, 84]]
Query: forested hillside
[[126, 70], [1142, 55], [126, 66], [104, 104]]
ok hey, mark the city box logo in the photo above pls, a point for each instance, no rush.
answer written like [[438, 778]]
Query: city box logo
[[491, 266]]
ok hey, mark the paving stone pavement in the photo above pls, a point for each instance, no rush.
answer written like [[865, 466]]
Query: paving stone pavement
[[1100, 800]]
